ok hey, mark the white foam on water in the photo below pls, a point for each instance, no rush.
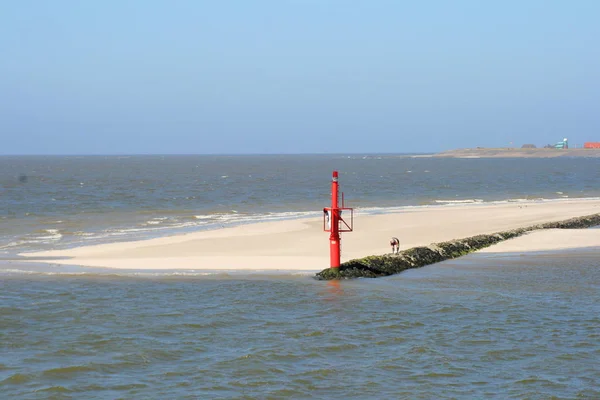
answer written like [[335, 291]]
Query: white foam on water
[[17, 271], [212, 221], [472, 202], [466, 201], [11, 244], [265, 217], [54, 235], [82, 233]]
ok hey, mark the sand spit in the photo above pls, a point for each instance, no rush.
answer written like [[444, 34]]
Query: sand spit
[[301, 244]]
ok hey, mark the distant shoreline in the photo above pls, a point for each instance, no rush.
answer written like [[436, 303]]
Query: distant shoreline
[[518, 153]]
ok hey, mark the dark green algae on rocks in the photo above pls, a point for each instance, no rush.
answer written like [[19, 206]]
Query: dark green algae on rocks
[[416, 257]]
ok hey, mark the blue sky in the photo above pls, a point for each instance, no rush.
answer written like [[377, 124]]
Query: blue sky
[[291, 76]]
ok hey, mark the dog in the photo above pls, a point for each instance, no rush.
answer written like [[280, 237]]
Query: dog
[[395, 243]]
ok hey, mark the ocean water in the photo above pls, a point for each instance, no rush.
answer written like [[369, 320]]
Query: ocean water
[[472, 328], [482, 326]]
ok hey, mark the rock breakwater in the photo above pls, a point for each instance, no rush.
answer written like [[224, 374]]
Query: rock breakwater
[[416, 257]]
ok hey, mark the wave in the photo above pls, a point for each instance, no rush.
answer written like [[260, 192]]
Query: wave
[[54, 234], [51, 236], [519, 200], [474, 202], [9, 245], [467, 201]]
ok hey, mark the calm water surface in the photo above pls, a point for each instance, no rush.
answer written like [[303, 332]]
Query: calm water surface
[[477, 327]]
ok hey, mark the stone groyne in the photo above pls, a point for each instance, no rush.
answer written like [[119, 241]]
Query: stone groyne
[[416, 257]]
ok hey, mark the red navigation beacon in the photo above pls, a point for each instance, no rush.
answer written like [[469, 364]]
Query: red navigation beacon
[[334, 222]]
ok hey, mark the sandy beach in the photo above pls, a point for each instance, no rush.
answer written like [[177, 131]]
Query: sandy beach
[[301, 245]]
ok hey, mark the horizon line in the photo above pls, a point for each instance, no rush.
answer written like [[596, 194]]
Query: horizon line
[[203, 154]]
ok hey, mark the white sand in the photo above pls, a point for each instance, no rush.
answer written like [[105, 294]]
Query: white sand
[[302, 244]]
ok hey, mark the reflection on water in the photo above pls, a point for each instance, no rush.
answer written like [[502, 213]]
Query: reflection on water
[[476, 327], [335, 287]]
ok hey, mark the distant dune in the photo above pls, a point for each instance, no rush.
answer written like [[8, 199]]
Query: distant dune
[[518, 153]]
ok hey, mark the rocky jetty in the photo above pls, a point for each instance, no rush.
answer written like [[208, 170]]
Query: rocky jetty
[[385, 265]]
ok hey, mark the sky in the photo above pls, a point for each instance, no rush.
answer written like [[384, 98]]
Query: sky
[[292, 76]]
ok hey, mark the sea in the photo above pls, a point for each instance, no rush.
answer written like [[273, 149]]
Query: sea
[[498, 326]]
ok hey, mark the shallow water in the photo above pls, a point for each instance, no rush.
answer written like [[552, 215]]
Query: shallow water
[[516, 326]]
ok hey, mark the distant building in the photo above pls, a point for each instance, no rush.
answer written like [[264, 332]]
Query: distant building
[[528, 146], [562, 145]]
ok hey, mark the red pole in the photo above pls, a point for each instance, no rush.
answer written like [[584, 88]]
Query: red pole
[[334, 237]]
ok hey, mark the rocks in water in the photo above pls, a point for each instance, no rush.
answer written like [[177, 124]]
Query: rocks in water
[[377, 266]]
